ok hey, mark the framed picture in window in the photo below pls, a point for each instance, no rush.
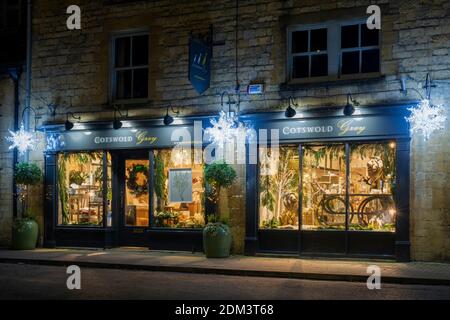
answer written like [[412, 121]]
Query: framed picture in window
[[180, 185]]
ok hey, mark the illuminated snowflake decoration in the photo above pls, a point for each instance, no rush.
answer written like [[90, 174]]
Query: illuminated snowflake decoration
[[54, 141], [426, 118], [23, 140], [227, 129]]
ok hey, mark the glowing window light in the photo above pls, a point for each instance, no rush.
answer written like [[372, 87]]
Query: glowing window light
[[426, 118], [23, 140]]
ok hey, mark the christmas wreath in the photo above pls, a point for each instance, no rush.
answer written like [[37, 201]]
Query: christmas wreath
[[132, 183]]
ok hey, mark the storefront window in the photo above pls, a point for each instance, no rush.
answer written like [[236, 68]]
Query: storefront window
[[178, 190], [109, 190], [325, 202], [323, 193], [80, 182], [279, 188], [372, 177]]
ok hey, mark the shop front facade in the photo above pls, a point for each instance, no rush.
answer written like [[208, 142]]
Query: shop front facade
[[336, 185], [336, 188], [108, 188]]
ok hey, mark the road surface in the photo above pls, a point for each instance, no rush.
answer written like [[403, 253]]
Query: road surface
[[20, 281]]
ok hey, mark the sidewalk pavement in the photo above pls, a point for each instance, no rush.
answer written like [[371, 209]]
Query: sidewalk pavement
[[424, 273]]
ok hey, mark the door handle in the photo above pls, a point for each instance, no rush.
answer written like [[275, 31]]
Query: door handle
[[122, 200]]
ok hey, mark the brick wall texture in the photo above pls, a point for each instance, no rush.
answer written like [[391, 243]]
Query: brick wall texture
[[71, 69]]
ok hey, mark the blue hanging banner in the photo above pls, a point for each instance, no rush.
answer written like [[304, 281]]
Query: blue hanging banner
[[199, 64]]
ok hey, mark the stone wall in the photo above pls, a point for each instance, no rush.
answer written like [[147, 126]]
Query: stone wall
[[6, 158], [70, 68]]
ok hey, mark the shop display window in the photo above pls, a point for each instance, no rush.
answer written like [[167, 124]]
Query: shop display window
[[81, 189], [372, 187], [323, 191], [279, 188], [178, 190], [327, 203]]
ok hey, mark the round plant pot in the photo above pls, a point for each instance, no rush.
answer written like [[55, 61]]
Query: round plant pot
[[24, 234], [216, 240]]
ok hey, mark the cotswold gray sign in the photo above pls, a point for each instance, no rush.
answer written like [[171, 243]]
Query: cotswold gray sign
[[336, 127], [114, 139]]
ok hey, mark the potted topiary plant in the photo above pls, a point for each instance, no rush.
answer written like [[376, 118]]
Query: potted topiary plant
[[25, 229], [217, 234]]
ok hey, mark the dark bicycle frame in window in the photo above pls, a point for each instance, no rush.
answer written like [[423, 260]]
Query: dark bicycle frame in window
[[333, 51], [127, 69]]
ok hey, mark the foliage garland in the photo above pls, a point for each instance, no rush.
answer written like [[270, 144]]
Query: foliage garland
[[132, 184]]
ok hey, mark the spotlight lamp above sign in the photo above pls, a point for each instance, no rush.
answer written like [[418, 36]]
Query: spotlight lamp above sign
[[349, 108], [290, 112], [168, 119], [68, 125]]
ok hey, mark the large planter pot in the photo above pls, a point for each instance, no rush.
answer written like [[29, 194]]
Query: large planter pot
[[217, 240], [24, 234]]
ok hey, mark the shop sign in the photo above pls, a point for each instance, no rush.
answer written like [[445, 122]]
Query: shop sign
[[199, 64], [288, 129], [335, 127], [112, 139]]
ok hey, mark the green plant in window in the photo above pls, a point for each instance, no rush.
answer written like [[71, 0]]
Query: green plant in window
[[271, 223], [166, 219], [78, 159], [62, 189], [278, 190], [77, 177], [267, 198], [160, 182], [285, 181], [98, 175], [331, 151]]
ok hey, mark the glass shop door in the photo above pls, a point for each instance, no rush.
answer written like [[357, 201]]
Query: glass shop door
[[134, 202]]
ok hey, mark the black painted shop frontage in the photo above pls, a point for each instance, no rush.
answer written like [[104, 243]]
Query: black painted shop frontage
[[337, 186]]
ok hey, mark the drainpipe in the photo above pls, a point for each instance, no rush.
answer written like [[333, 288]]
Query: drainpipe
[[15, 76], [26, 119]]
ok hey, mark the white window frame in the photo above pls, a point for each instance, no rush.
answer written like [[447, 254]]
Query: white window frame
[[113, 69], [359, 48], [334, 51]]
